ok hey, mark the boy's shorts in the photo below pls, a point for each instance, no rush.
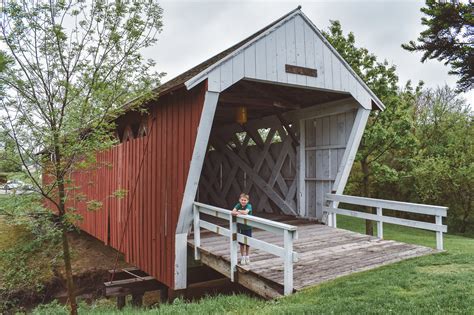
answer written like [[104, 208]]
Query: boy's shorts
[[247, 232]]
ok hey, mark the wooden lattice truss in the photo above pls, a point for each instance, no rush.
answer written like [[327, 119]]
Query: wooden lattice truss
[[259, 159]]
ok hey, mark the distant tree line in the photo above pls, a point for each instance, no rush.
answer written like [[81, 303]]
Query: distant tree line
[[420, 148]]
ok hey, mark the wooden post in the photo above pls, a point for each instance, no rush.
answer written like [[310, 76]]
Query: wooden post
[[379, 223], [288, 262], [302, 171], [233, 246], [439, 234], [121, 301], [197, 233], [137, 299], [163, 295]]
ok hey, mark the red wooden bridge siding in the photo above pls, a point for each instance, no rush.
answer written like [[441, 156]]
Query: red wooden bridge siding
[[149, 239]]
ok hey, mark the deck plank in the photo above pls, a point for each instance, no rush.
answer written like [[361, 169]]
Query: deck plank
[[324, 253]]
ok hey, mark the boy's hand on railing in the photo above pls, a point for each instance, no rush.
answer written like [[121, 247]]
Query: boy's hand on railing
[[234, 212]]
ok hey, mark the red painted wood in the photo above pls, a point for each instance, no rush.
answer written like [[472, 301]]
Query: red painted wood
[[149, 237]]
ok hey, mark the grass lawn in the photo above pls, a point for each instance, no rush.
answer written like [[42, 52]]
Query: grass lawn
[[436, 284]]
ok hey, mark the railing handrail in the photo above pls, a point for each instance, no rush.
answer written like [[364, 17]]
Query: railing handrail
[[437, 211], [288, 231], [249, 219], [390, 204]]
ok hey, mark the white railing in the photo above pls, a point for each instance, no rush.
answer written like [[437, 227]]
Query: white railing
[[288, 232], [331, 207]]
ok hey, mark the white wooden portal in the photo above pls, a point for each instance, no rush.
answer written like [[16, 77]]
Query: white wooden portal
[[287, 162]]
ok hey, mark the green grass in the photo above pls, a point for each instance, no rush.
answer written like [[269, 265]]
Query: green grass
[[435, 284]]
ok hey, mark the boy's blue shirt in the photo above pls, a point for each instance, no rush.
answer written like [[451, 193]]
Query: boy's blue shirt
[[248, 207]]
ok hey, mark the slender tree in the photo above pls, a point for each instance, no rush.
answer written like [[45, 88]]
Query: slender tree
[[449, 38], [74, 65]]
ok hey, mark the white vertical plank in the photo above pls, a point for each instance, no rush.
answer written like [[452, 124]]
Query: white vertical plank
[[310, 189], [214, 80], [300, 48], [288, 262], [353, 86], [318, 125], [379, 223], [226, 75], [281, 54], [344, 79], [327, 68], [319, 164], [333, 129], [309, 53], [180, 261], [325, 131], [351, 150], [271, 51], [310, 133], [341, 129], [439, 235], [349, 116], [301, 170], [290, 47], [197, 234], [238, 67], [233, 246], [186, 211], [260, 60], [319, 60], [336, 73], [249, 56], [325, 163]]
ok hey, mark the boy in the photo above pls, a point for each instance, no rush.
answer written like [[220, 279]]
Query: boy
[[244, 207]]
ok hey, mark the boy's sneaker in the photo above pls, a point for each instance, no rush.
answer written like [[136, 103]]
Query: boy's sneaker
[[247, 260], [243, 261]]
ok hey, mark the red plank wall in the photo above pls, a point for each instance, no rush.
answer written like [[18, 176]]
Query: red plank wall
[[149, 239]]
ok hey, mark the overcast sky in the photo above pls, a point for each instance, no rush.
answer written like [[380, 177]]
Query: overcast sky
[[196, 30]]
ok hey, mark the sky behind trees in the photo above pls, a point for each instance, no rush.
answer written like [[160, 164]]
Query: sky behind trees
[[196, 30]]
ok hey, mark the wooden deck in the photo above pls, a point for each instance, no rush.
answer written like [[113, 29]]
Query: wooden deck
[[324, 253]]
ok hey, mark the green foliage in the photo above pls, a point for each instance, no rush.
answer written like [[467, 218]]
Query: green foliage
[[443, 168], [29, 248], [74, 66], [420, 148], [9, 159], [387, 131], [448, 37]]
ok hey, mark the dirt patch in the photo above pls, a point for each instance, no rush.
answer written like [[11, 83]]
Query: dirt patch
[[447, 269], [91, 260]]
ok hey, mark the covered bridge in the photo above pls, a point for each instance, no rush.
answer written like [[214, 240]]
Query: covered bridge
[[279, 115]]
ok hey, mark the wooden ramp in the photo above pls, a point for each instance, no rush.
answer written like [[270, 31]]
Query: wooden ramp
[[324, 253]]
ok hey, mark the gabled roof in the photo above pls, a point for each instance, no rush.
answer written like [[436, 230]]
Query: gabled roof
[[200, 72], [191, 73]]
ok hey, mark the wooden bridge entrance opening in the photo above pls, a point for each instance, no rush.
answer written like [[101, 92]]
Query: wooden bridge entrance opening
[[286, 156]]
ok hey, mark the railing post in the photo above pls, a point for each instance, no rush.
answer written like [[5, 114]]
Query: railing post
[[288, 262], [197, 233], [233, 246], [333, 214], [439, 234], [379, 223]]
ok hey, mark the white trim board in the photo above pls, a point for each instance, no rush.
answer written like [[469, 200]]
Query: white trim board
[[186, 212]]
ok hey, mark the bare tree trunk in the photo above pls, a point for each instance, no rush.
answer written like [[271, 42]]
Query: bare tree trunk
[[69, 279], [65, 241], [369, 228]]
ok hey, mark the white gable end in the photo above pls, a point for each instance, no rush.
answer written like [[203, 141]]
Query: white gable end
[[293, 41]]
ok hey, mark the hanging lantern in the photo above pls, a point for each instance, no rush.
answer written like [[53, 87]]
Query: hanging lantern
[[241, 115]]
